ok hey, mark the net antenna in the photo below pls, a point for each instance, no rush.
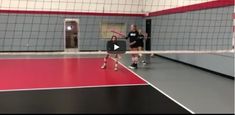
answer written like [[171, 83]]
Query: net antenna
[[118, 33]]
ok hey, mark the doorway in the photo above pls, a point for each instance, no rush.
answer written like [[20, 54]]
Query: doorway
[[71, 34], [148, 31], [148, 41]]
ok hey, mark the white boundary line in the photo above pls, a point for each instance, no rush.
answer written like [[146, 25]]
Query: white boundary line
[[79, 87], [158, 89]]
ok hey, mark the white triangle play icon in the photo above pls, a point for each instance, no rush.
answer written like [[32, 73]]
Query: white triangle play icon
[[116, 47]]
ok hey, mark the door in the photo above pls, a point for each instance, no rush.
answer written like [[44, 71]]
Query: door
[[71, 27], [148, 41], [148, 31]]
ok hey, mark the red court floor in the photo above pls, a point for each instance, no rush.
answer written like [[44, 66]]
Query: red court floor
[[61, 73]]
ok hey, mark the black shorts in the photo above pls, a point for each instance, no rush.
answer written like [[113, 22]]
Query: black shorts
[[134, 46], [140, 44]]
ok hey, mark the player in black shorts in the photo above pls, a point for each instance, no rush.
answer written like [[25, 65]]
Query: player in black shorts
[[140, 42], [104, 66], [133, 43]]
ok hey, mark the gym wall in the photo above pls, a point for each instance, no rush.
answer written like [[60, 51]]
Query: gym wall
[[218, 22], [38, 25], [158, 5], [45, 32], [98, 6]]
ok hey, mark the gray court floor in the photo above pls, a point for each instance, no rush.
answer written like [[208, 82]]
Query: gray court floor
[[198, 90]]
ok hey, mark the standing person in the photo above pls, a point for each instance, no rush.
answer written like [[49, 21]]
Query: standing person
[[142, 37], [133, 43], [104, 66]]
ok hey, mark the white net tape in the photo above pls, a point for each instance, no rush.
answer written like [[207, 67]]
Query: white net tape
[[104, 52]]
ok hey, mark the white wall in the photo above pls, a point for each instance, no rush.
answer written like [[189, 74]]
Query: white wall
[[157, 5], [116, 6]]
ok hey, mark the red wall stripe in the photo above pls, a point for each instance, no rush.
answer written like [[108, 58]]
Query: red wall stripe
[[195, 7]]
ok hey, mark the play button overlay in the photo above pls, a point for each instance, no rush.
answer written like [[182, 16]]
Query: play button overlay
[[118, 47]]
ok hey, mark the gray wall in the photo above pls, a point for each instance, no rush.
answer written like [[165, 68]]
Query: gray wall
[[197, 30], [33, 32], [201, 30]]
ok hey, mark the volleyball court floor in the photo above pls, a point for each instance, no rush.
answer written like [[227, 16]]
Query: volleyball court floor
[[74, 84]]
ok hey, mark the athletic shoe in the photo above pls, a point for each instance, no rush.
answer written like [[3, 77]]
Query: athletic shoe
[[136, 66], [133, 66], [103, 66], [144, 62]]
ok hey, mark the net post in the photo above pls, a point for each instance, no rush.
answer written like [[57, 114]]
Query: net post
[[233, 39]]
